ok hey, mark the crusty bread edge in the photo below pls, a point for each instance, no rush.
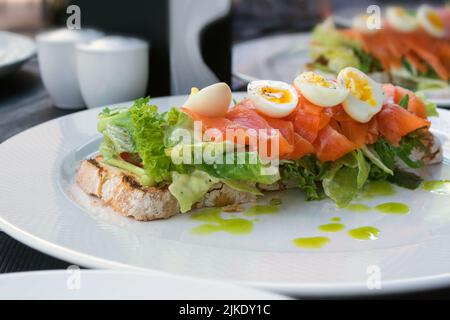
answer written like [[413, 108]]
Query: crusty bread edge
[[124, 194]]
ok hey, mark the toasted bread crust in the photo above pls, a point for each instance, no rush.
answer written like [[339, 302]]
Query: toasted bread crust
[[125, 195]]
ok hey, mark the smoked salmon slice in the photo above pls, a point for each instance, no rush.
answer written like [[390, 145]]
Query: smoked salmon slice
[[329, 133], [415, 104], [286, 128], [355, 132], [302, 147], [208, 122], [394, 122], [419, 48], [331, 145], [372, 131], [243, 116], [310, 119]]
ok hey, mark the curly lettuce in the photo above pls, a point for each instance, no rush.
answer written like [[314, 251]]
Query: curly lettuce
[[346, 178], [332, 51], [148, 135]]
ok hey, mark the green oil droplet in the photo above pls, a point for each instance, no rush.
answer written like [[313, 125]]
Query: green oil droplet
[[261, 209], [378, 188], [358, 207], [393, 208], [331, 227], [437, 186], [364, 233], [335, 219], [215, 223], [311, 243]]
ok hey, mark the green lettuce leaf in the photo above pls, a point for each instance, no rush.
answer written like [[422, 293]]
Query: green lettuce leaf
[[340, 184], [388, 153], [116, 127], [404, 102], [430, 107], [334, 51], [405, 179], [242, 186], [307, 173], [121, 138], [345, 179], [118, 117], [140, 173], [375, 159], [177, 120], [148, 136], [190, 188], [247, 171]]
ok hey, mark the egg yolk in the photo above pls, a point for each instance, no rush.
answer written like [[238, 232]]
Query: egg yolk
[[400, 12], [194, 90], [315, 78], [360, 88], [276, 95], [435, 20]]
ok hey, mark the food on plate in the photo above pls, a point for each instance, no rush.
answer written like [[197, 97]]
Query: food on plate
[[275, 99], [124, 193], [212, 101], [327, 137], [412, 49], [319, 90]]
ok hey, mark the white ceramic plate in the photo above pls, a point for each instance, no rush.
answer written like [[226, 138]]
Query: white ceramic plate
[[280, 57], [37, 168], [283, 57], [98, 284], [15, 50]]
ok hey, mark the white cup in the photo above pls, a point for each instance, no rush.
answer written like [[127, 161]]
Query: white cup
[[112, 69], [56, 56]]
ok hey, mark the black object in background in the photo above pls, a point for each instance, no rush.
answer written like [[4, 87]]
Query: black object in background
[[145, 19], [150, 20], [215, 43]]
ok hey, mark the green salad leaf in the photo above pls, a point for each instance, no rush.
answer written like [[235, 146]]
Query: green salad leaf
[[333, 51], [148, 136], [190, 188], [242, 186], [118, 117], [430, 107], [388, 154], [404, 102], [249, 171], [405, 179], [340, 184], [375, 159], [345, 179], [177, 121], [306, 173]]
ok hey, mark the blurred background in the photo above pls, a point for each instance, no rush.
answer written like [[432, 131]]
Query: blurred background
[[244, 20]]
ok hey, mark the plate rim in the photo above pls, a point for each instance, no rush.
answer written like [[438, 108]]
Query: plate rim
[[142, 274], [315, 289], [32, 52]]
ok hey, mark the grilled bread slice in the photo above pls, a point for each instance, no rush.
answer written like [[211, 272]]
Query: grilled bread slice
[[125, 195]]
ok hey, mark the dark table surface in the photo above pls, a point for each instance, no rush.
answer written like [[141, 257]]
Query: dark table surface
[[25, 103]]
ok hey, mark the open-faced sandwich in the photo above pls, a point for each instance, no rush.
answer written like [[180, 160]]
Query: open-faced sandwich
[[411, 49], [325, 137]]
